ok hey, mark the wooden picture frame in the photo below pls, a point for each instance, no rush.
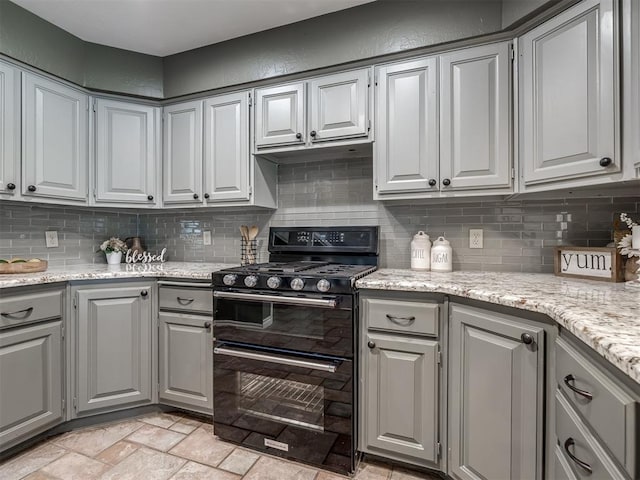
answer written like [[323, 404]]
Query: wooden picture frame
[[592, 263]]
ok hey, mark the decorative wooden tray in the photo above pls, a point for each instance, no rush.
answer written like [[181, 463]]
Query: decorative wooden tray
[[24, 267]]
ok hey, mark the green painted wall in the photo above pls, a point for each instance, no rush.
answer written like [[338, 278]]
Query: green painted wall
[[366, 31], [361, 32], [36, 42]]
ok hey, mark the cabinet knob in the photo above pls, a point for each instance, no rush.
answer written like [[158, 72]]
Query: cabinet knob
[[149, 197], [196, 196], [432, 182], [446, 182], [11, 186], [298, 136], [313, 133], [371, 344], [207, 325], [144, 293], [605, 161], [31, 188], [206, 195], [526, 339]]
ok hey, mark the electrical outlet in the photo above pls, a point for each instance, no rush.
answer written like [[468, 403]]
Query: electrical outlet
[[206, 237], [475, 238], [51, 237]]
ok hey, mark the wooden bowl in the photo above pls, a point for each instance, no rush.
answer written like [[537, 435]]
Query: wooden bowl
[[24, 267]]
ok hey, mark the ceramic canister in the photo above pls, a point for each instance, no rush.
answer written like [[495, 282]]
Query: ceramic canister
[[420, 252], [441, 255]]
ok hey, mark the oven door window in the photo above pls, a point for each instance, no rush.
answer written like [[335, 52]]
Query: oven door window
[[299, 412], [327, 331]]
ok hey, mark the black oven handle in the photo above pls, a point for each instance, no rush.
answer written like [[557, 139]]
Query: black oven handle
[[257, 297], [325, 367]]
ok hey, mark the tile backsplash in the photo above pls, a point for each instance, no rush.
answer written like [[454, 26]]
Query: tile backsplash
[[518, 234]]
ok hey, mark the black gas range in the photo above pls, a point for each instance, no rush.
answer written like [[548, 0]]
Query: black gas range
[[285, 345]]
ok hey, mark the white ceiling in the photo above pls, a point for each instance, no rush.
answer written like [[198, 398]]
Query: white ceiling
[[165, 27]]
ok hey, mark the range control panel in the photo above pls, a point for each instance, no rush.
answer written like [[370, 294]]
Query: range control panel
[[324, 239]]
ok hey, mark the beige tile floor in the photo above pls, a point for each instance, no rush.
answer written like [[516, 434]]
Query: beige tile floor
[[163, 446]]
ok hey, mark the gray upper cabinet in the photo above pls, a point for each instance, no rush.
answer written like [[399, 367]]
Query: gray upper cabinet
[[186, 361], [226, 145], [401, 396], [406, 147], [338, 106], [55, 140], [569, 95], [496, 391], [280, 116], [113, 336], [126, 152], [475, 127], [30, 380], [9, 130], [182, 148]]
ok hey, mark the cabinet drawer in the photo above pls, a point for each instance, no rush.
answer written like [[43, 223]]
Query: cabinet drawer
[[187, 299], [610, 412], [574, 439], [29, 307], [402, 316]]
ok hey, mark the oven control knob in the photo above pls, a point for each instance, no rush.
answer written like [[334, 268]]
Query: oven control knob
[[297, 283], [251, 281], [229, 279], [323, 285], [274, 282]]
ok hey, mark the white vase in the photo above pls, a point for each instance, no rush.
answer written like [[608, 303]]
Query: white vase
[[114, 258]]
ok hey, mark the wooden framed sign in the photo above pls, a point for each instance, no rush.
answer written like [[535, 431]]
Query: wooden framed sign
[[593, 263]]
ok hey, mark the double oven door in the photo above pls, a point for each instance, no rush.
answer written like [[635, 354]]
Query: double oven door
[[283, 375]]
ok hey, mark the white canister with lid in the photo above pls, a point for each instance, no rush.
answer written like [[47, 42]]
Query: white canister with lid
[[421, 252], [441, 255]]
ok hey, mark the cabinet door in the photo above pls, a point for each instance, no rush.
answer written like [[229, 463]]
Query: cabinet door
[[186, 361], [280, 115], [126, 152], [30, 381], [226, 147], [406, 147], [475, 131], [113, 337], [495, 396], [9, 128], [401, 396], [183, 153], [55, 139], [339, 106], [568, 74]]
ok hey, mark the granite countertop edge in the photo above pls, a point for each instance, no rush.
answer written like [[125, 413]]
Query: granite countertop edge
[[605, 316]]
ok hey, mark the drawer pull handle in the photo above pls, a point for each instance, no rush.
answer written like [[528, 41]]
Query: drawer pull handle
[[207, 326], [404, 321], [570, 443], [568, 382], [26, 311], [185, 301]]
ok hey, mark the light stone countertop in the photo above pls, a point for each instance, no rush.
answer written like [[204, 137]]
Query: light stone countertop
[[168, 270], [605, 316]]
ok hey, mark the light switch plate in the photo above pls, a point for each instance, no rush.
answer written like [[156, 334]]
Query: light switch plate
[[206, 237], [51, 237], [475, 238]]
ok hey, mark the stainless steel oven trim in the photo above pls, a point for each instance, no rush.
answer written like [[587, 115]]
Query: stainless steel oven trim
[[301, 301], [325, 367]]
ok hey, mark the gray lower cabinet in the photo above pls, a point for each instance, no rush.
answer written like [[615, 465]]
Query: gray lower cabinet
[[30, 381], [496, 391], [113, 331], [401, 396], [186, 361]]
